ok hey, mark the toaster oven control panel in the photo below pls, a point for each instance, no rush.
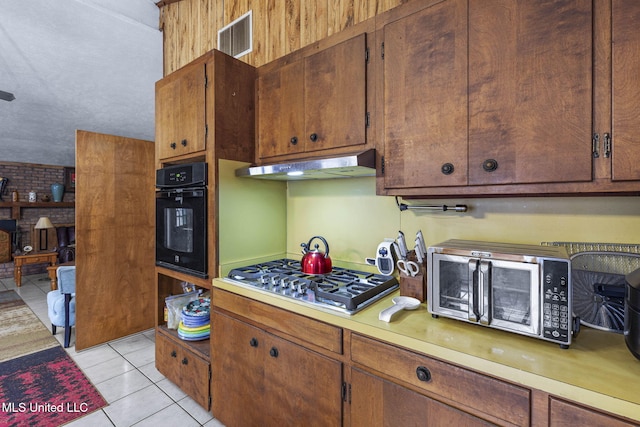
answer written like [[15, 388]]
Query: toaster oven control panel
[[556, 308]]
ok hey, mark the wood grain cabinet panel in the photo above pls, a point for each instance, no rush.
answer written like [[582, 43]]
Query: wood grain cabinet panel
[[562, 413], [625, 90], [478, 394], [180, 112], [530, 91], [184, 368], [261, 379], [376, 402], [314, 103], [425, 98]]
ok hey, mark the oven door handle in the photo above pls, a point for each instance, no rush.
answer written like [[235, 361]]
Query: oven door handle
[[484, 292], [186, 193]]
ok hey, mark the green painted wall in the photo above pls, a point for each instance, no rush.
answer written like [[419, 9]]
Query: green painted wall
[[354, 220]]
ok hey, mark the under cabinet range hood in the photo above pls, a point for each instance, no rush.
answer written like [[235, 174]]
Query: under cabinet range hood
[[348, 166]]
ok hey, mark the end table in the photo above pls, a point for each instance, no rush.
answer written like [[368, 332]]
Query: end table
[[33, 258]]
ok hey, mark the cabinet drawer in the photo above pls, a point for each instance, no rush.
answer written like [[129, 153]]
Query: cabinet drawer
[[184, 368], [310, 331], [469, 389]]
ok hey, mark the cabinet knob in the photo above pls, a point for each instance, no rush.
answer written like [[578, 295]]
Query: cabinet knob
[[185, 361], [447, 169], [294, 140], [253, 342], [273, 352], [174, 354], [423, 374], [313, 137], [490, 165], [183, 142], [173, 145]]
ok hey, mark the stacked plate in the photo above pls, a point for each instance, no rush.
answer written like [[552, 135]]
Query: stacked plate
[[195, 324]]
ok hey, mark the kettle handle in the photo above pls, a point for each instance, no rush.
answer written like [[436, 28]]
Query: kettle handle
[[308, 245]]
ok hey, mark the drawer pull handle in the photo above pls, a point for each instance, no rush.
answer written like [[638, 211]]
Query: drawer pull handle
[[174, 354], [183, 142], [273, 352], [253, 342], [173, 145], [185, 361], [423, 374]]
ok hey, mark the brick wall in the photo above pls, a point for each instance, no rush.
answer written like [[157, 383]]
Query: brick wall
[[25, 177]]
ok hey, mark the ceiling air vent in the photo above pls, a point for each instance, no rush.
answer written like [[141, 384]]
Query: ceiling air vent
[[236, 39]]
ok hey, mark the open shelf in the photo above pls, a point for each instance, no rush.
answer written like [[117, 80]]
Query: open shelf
[[16, 207]]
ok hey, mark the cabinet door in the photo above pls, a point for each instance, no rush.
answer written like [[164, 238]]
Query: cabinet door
[[567, 414], [530, 91], [335, 96], [425, 97], [281, 111], [626, 90], [183, 368], [180, 112], [379, 403], [237, 372], [301, 387]]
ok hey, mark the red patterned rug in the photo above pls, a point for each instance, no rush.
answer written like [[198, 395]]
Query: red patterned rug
[[43, 388]]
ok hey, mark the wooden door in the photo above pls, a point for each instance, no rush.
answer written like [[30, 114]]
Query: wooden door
[[237, 372], [301, 387], [281, 111], [530, 91], [626, 90], [379, 403], [180, 112], [425, 97], [335, 82], [115, 235]]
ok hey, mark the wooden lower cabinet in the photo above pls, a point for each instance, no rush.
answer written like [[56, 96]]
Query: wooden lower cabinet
[[261, 379], [563, 413], [376, 402], [183, 367], [448, 389]]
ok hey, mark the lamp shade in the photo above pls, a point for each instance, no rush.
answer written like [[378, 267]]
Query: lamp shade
[[43, 222]]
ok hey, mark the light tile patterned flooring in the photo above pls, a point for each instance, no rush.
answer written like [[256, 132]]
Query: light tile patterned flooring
[[123, 371]]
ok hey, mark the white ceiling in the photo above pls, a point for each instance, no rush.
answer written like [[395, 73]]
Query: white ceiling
[[75, 64]]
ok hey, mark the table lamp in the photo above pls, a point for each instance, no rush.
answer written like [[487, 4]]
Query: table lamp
[[43, 224]]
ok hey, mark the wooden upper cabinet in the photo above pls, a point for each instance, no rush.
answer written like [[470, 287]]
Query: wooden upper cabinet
[[314, 103], [625, 90], [180, 112], [425, 97], [530, 91]]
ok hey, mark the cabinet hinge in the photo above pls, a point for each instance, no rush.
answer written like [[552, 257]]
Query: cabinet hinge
[[346, 392], [382, 51], [366, 55], [595, 145], [382, 165], [367, 119], [206, 131], [607, 145], [206, 78]]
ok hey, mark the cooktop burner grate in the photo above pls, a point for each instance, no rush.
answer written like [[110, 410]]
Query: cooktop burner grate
[[344, 290]]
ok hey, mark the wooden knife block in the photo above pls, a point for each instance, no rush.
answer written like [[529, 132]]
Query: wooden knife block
[[415, 286]]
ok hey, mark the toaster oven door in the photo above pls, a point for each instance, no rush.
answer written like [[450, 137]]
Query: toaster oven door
[[451, 291], [513, 299]]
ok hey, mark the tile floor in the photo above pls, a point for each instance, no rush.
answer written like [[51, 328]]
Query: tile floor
[[123, 371]]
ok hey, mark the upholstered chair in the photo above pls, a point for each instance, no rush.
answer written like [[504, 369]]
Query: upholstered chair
[[61, 303]]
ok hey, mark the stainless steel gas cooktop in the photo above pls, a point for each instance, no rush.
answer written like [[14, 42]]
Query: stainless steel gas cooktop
[[343, 290]]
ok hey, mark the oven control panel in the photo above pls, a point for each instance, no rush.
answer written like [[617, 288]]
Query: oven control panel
[[556, 307], [180, 176]]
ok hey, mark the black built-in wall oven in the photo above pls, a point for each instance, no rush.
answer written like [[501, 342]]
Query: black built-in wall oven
[[181, 218]]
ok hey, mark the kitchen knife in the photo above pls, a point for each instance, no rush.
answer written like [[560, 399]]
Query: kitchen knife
[[420, 238], [420, 254], [402, 245]]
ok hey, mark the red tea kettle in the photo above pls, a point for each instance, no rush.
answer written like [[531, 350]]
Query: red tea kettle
[[314, 261]]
